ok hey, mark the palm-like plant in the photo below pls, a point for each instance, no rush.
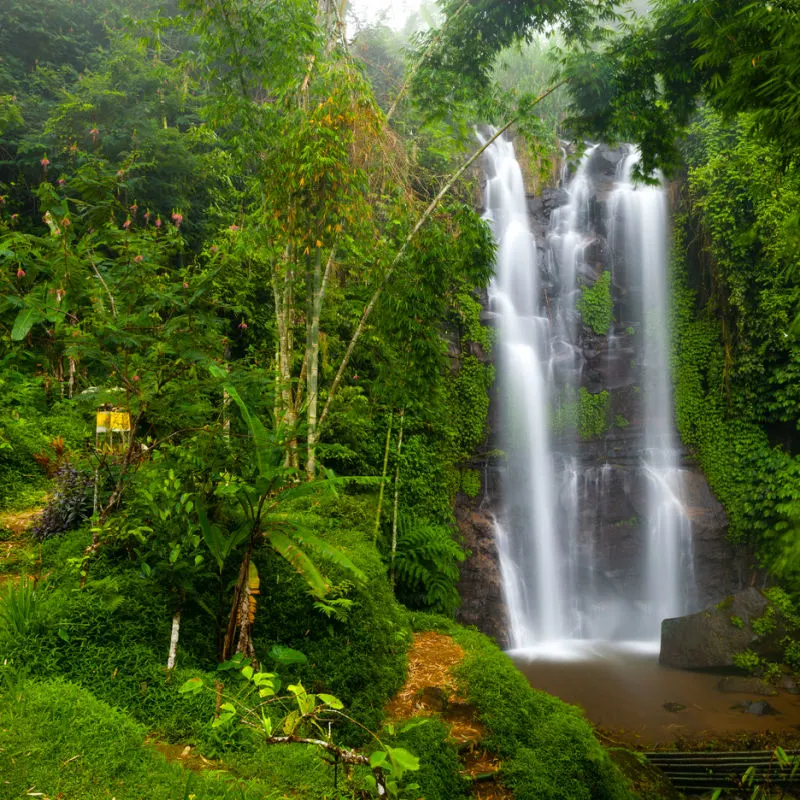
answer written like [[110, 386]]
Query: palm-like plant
[[264, 501]]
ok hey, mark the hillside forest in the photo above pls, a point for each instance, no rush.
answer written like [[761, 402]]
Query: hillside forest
[[245, 375]]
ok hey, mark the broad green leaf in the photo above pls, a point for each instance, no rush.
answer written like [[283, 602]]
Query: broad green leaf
[[330, 700], [286, 655], [254, 425], [289, 549], [192, 686], [377, 758], [401, 758], [328, 552], [25, 320], [291, 722]]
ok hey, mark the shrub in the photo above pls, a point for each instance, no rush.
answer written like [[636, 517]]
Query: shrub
[[427, 565], [70, 505], [439, 776]]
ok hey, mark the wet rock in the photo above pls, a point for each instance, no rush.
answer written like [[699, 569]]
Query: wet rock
[[554, 198], [480, 585], [720, 569], [711, 638], [789, 685], [759, 708], [674, 708], [736, 683], [646, 779], [605, 160]]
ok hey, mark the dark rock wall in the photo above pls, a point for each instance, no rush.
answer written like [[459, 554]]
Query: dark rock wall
[[613, 490]]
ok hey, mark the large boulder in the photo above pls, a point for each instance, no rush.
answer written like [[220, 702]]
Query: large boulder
[[710, 639]]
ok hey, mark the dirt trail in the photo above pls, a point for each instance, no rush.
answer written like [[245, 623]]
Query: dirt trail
[[15, 547], [431, 688]]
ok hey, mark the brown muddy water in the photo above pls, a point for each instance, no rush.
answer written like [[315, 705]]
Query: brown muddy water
[[623, 690]]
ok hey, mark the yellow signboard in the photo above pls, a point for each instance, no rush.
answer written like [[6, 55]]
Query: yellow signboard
[[113, 421]]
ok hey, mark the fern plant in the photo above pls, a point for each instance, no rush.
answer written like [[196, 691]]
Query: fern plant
[[20, 610], [427, 565]]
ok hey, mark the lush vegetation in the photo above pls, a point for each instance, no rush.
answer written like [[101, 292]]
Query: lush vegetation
[[243, 373], [242, 369], [735, 284]]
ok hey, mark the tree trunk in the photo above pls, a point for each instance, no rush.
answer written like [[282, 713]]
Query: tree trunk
[[396, 494], [316, 286], [383, 479], [173, 641]]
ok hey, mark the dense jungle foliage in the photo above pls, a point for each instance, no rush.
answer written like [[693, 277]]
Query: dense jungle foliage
[[244, 242]]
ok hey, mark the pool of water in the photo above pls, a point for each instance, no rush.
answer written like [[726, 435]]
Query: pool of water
[[623, 689]]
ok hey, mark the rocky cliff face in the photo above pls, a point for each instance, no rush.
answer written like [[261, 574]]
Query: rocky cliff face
[[612, 494]]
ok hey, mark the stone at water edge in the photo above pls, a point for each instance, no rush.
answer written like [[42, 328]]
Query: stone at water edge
[[740, 684], [711, 638], [759, 708]]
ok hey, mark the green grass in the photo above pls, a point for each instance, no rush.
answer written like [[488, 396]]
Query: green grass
[[58, 739]]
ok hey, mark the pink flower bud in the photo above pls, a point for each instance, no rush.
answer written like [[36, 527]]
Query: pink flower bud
[[158, 222], [138, 259], [20, 274], [61, 181], [233, 228], [126, 224], [136, 377], [177, 219], [185, 285], [243, 325], [44, 162]]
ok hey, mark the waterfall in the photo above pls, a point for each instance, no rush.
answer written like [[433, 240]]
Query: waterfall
[[529, 552], [561, 575], [639, 228]]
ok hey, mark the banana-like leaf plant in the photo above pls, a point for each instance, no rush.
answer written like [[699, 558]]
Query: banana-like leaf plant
[[264, 500]]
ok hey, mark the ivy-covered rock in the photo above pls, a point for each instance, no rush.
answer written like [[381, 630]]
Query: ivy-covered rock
[[745, 621]]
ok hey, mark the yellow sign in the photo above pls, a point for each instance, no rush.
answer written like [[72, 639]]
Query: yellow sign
[[113, 421]]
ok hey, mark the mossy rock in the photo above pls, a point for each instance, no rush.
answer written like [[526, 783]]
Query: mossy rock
[[647, 781]]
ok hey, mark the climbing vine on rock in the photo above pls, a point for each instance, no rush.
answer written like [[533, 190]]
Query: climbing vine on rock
[[595, 304]]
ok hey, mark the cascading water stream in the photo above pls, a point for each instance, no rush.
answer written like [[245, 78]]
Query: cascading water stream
[[639, 216], [556, 576], [529, 552]]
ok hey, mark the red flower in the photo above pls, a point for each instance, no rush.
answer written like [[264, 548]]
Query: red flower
[[126, 224], [177, 219], [44, 162], [243, 325], [138, 259], [20, 274], [158, 222]]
